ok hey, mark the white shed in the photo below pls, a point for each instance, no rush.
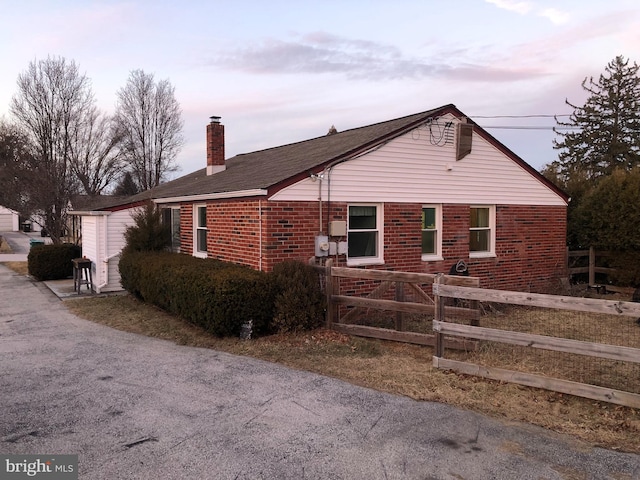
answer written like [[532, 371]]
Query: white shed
[[102, 242], [9, 220]]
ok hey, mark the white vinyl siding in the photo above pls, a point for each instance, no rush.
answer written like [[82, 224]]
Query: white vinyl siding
[[411, 169]]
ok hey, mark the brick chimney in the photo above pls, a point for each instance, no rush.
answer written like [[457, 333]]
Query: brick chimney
[[215, 146]]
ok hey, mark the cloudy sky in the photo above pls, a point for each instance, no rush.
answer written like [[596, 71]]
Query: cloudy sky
[[281, 71]]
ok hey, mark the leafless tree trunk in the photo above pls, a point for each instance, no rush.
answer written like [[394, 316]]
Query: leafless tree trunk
[[52, 102], [150, 118]]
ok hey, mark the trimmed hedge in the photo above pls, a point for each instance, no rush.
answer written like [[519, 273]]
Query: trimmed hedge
[[220, 296], [214, 295], [299, 302], [52, 262]]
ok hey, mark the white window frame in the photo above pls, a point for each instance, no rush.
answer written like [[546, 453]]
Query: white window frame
[[378, 259], [438, 229], [196, 228], [492, 233]]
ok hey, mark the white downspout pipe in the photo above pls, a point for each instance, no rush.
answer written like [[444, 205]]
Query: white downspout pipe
[[105, 259]]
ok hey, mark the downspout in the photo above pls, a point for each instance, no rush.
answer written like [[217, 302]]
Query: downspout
[[320, 203], [260, 234], [105, 260]]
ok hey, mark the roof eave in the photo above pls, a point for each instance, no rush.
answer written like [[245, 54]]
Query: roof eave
[[212, 196]]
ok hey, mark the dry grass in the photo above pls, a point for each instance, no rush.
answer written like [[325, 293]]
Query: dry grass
[[4, 246], [386, 366], [21, 268]]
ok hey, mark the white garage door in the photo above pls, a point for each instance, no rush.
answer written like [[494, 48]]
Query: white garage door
[[6, 222]]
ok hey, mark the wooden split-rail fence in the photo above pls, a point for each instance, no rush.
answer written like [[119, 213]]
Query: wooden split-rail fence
[[342, 309]]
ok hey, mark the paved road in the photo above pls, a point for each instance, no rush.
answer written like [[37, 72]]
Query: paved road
[[133, 407], [19, 243]]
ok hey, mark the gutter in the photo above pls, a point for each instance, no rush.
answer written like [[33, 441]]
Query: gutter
[[89, 213], [212, 196]]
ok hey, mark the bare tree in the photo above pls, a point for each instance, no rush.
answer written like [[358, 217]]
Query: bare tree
[[52, 101], [151, 121], [96, 159], [16, 159]]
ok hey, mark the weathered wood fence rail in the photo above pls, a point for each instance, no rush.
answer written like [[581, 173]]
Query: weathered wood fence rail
[[467, 336], [445, 329], [387, 279]]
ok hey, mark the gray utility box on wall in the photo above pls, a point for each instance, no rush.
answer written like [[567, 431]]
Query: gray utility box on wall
[[322, 246], [338, 228]]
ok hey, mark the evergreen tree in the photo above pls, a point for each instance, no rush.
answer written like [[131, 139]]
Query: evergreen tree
[[603, 134], [127, 186]]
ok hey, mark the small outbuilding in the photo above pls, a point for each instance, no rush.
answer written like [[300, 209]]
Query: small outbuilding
[[101, 236], [9, 220]]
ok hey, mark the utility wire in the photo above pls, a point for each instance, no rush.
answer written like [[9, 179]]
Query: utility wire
[[520, 116], [529, 127]]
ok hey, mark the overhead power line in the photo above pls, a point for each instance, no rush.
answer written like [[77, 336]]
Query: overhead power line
[[528, 127], [521, 116]]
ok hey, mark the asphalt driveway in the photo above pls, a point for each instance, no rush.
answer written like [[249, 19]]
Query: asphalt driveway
[[133, 407]]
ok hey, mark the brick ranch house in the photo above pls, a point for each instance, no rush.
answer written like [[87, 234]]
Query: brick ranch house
[[417, 193]]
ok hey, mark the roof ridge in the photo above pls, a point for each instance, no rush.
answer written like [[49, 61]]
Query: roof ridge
[[335, 135]]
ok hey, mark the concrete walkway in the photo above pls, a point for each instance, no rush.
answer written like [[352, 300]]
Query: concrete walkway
[[134, 407]]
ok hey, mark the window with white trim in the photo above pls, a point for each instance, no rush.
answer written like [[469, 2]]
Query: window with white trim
[[431, 228], [200, 230], [482, 231], [364, 234]]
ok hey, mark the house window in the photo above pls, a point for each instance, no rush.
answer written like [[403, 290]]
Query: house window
[[171, 217], [364, 236], [482, 231], [431, 238], [200, 225]]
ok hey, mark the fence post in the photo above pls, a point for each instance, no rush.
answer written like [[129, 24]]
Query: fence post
[[439, 315], [592, 266], [329, 292], [399, 297]]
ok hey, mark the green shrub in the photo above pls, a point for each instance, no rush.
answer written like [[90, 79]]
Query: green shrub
[[52, 262], [215, 295], [299, 302], [148, 233]]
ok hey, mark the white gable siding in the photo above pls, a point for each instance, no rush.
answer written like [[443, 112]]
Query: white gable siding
[[412, 169]]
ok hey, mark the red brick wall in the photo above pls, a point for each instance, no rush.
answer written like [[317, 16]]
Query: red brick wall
[[289, 231], [530, 240]]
